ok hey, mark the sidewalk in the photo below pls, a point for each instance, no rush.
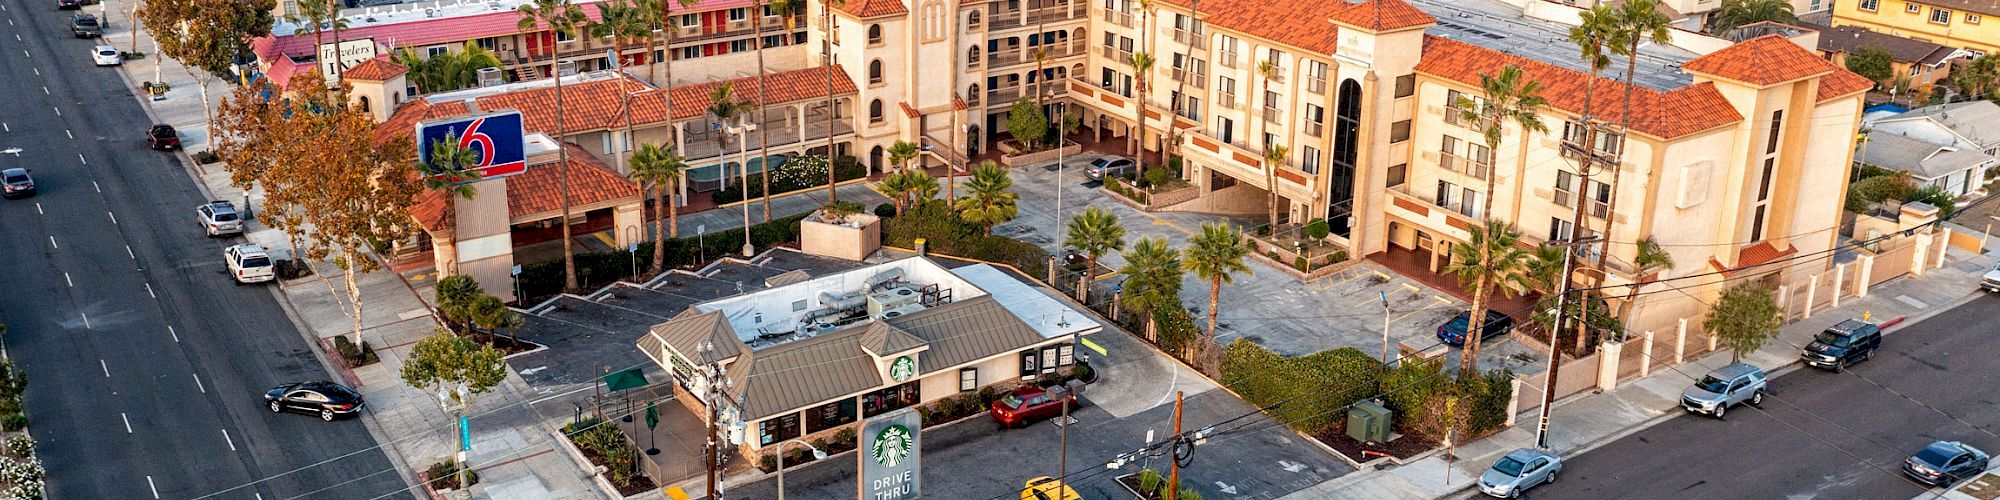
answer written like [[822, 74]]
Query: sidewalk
[[513, 434], [1585, 421]]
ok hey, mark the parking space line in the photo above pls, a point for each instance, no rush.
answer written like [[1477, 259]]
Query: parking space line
[[45, 90], [202, 388], [38, 209], [79, 158], [66, 131], [149, 485], [128, 422], [225, 439]]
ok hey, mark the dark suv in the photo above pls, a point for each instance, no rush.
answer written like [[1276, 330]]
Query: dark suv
[[85, 26], [1843, 344], [163, 137], [1452, 332]]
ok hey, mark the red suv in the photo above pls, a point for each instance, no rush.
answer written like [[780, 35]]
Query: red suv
[[163, 137], [1029, 404]]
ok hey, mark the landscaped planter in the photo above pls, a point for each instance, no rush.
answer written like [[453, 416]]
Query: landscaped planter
[[1019, 159], [852, 237]]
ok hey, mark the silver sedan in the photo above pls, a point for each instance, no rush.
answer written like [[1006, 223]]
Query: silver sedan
[[1522, 469]]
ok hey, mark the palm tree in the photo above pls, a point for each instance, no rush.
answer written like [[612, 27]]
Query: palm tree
[[1274, 155], [620, 20], [922, 188], [1637, 20], [1094, 232], [901, 153], [1041, 57], [1180, 85], [445, 72], [1510, 97], [988, 201], [1153, 275], [450, 171], [1650, 257], [826, 61], [1545, 265], [1493, 261], [723, 106], [659, 168], [562, 18], [1215, 256], [313, 16], [895, 187], [1736, 13], [1142, 66]]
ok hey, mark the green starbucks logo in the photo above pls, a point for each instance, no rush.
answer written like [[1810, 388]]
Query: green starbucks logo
[[892, 445], [902, 368]]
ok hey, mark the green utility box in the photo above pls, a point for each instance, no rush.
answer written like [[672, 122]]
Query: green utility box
[[1368, 421]]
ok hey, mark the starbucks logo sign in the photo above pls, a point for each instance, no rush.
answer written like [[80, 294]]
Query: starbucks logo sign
[[902, 368], [892, 445]]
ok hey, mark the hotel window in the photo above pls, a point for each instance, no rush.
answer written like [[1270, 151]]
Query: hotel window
[[690, 21], [968, 379], [1399, 174], [1777, 128], [830, 415], [874, 34], [875, 111], [738, 14], [890, 399], [1456, 104], [689, 52], [1406, 85], [436, 50], [1971, 18], [1315, 119], [493, 43], [1912, 8], [1446, 193], [739, 46], [1870, 5], [562, 37], [875, 72], [1309, 159], [1559, 230], [1399, 131], [778, 428], [1940, 16]]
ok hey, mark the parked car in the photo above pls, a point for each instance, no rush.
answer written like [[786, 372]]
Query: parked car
[[17, 182], [1725, 387], [1111, 166], [163, 137], [106, 55], [69, 4], [85, 26], [1452, 332], [1519, 470], [1029, 404], [1048, 488], [248, 263], [326, 399], [219, 218], [1944, 463], [1843, 344], [1991, 280]]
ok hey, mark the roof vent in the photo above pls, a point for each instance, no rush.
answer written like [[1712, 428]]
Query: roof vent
[[431, 12], [491, 76]]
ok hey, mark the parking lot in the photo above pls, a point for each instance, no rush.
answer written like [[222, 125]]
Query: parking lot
[[1268, 306]]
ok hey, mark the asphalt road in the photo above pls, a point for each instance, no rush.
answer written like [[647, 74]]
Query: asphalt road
[[1822, 435], [146, 362]]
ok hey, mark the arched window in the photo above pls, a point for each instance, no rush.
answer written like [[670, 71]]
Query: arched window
[[874, 34], [972, 95], [972, 56], [875, 159], [875, 72], [875, 111], [364, 104], [972, 22]]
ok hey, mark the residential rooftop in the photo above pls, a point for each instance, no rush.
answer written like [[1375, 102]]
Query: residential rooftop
[[1499, 26]]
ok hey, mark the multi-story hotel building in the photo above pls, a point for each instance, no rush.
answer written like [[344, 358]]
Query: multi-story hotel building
[[1736, 155]]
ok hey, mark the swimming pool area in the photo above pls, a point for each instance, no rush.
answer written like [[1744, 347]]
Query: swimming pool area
[[711, 177]]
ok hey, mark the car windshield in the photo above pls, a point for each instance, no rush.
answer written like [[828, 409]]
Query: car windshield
[[1012, 401], [1509, 466], [225, 216], [14, 179], [1712, 384], [1458, 323], [86, 22], [106, 52], [257, 262], [162, 131], [1832, 339], [1936, 455]]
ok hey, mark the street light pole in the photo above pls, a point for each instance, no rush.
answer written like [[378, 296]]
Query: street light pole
[[780, 450], [744, 127], [1385, 327]]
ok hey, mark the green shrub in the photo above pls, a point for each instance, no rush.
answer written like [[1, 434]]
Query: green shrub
[[796, 173], [1150, 481], [885, 210], [1189, 494], [1312, 388], [10, 404], [355, 356], [444, 475], [1868, 192], [844, 438], [769, 462], [945, 233], [1300, 262], [1162, 176], [455, 296], [1935, 196], [13, 422], [20, 446], [205, 157], [1488, 395], [1318, 229]]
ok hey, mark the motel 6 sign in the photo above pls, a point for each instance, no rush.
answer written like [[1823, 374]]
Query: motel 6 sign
[[496, 139]]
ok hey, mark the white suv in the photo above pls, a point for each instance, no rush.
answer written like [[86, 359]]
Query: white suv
[[219, 218], [248, 263], [106, 55]]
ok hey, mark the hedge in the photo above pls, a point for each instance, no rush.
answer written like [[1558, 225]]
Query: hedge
[[943, 232], [800, 172], [1306, 392], [1415, 381], [544, 279]]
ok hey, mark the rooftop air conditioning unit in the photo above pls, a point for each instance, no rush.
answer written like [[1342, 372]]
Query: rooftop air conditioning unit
[[566, 68], [491, 76], [890, 299], [905, 310]]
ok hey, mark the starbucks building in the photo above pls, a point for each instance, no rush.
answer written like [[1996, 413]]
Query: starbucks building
[[814, 357]]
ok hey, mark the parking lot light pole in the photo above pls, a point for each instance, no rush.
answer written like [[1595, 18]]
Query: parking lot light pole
[[1385, 327], [780, 450]]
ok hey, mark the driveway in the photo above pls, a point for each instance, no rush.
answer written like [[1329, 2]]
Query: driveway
[[1131, 403], [1268, 306]]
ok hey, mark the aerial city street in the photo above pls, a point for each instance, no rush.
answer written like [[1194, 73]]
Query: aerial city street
[[1033, 249]]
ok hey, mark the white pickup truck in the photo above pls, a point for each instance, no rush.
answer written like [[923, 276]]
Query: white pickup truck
[[1990, 281]]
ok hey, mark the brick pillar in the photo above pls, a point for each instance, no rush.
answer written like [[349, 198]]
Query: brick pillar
[[1607, 365]]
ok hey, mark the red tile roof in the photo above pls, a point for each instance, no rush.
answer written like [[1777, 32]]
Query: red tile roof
[[1667, 114], [281, 71], [375, 70], [1765, 60], [871, 8], [1842, 83], [1308, 25], [599, 104], [907, 110], [536, 190], [442, 30]]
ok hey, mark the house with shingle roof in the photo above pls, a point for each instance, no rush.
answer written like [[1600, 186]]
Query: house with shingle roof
[[810, 358], [1961, 172], [1923, 62]]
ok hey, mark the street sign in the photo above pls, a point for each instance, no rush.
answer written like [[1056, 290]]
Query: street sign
[[517, 270], [496, 139], [698, 228], [891, 457]]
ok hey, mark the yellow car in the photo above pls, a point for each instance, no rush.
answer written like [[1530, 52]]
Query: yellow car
[[1048, 488]]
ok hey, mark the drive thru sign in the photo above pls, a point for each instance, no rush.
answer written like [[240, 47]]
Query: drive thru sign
[[891, 457]]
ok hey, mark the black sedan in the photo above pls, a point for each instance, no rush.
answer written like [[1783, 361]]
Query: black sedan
[[326, 399], [16, 183], [1945, 462]]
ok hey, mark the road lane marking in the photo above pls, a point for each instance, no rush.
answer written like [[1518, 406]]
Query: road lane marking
[[5, 127], [58, 110], [149, 485], [204, 390], [114, 217], [170, 331], [38, 208], [128, 252], [106, 367], [72, 283], [79, 157], [52, 242], [66, 131], [45, 90], [149, 291], [225, 438], [86, 320], [128, 422]]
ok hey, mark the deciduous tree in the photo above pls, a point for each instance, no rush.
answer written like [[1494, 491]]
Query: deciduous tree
[[454, 369], [1743, 319], [206, 36]]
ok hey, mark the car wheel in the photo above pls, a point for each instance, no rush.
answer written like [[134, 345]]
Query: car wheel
[[326, 415], [1757, 398], [276, 408], [1867, 355], [1721, 408], [1515, 493], [1552, 478], [1840, 366]]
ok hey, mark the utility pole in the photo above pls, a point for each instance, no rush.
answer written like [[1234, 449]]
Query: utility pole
[[716, 394], [1173, 463], [1587, 156]]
